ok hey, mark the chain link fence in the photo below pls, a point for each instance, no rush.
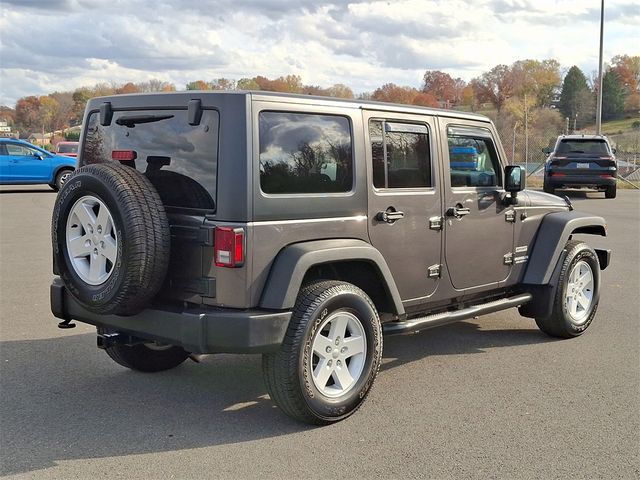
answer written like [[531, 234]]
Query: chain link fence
[[525, 148]]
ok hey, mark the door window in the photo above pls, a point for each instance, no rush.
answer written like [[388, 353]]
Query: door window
[[473, 160], [19, 150], [401, 155]]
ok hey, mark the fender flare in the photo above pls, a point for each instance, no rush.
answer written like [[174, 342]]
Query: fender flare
[[293, 261], [552, 236]]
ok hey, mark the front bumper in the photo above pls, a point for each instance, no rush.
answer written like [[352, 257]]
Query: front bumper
[[197, 330]]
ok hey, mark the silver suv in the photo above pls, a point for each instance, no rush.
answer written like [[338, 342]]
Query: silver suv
[[304, 228]]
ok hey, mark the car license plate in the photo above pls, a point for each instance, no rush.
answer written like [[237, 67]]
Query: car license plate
[[582, 165]]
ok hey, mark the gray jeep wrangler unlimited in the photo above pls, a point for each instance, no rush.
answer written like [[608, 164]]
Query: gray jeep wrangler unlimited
[[304, 228]]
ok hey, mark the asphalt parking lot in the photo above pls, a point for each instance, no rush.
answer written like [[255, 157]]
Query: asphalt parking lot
[[488, 398]]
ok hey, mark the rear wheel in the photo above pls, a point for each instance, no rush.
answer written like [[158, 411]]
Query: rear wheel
[[577, 294], [330, 355], [147, 357], [610, 192]]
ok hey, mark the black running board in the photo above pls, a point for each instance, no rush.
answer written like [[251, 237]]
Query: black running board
[[416, 324]]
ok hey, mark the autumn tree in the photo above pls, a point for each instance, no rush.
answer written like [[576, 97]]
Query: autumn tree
[[223, 84], [80, 98], [576, 100], [7, 114], [247, 84], [198, 85], [28, 113], [128, 87], [155, 85], [494, 86], [628, 70], [425, 100], [339, 90], [538, 79], [48, 110], [468, 98], [390, 92], [442, 86]]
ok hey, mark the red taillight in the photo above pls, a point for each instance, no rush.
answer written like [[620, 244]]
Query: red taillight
[[555, 174], [606, 176], [228, 249], [123, 155]]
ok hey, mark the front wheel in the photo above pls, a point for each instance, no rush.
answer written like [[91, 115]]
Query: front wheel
[[330, 355], [577, 293]]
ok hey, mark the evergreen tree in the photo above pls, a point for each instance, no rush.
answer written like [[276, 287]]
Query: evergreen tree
[[613, 95], [576, 99]]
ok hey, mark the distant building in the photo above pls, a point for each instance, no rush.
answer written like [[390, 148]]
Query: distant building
[[5, 131], [38, 139]]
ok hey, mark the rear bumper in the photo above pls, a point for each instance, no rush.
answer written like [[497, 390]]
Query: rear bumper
[[197, 330], [575, 181]]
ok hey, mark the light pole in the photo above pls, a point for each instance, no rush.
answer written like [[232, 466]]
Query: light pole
[[599, 101]]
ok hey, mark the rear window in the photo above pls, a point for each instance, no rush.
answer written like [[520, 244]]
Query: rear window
[[583, 146], [179, 159], [67, 148]]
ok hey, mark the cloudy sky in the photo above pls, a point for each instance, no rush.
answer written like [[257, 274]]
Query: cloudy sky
[[49, 45]]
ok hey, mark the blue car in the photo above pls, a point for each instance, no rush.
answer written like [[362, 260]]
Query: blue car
[[24, 164]]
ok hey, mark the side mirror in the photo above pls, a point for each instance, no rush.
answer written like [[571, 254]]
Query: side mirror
[[547, 151], [513, 181], [613, 150], [38, 155]]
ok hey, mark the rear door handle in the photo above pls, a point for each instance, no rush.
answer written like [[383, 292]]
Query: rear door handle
[[389, 216], [458, 211]]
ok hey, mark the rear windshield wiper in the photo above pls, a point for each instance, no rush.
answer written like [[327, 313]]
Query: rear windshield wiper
[[576, 151], [133, 120]]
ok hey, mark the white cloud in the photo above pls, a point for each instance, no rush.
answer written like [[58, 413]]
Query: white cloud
[[48, 45]]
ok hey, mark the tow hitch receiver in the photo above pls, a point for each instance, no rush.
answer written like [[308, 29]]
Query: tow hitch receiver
[[110, 339]]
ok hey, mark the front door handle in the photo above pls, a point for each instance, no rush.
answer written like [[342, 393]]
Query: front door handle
[[390, 215], [458, 211]]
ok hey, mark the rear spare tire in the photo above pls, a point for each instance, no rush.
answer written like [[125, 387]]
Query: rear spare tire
[[110, 238]]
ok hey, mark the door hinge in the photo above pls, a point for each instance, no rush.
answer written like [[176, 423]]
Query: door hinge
[[510, 216], [434, 271], [435, 223], [508, 259]]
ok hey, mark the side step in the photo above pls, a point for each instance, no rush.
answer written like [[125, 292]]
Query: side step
[[414, 325]]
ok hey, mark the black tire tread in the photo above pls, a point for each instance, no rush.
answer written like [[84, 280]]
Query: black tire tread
[[280, 368], [610, 192], [148, 242], [554, 324]]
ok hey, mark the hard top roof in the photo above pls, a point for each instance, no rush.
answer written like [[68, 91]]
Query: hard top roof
[[294, 98]]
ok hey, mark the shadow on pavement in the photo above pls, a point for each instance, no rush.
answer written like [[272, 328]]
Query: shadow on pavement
[[63, 399]]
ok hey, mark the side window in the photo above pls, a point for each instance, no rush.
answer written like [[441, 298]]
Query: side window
[[305, 153], [19, 150], [401, 155], [473, 160]]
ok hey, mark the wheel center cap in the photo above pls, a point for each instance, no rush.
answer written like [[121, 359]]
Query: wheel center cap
[[95, 239], [336, 353]]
